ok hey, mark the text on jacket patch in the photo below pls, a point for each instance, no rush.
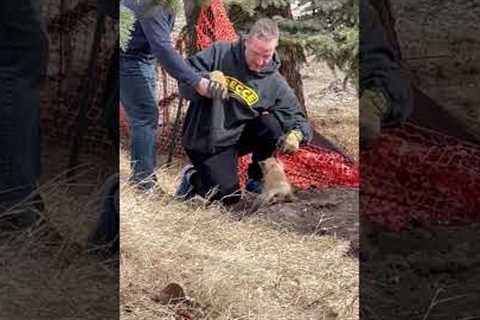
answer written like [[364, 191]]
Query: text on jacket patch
[[246, 93]]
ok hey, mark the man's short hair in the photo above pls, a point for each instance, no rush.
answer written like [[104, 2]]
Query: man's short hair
[[265, 29]]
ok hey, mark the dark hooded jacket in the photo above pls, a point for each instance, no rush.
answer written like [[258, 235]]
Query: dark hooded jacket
[[380, 67], [251, 93]]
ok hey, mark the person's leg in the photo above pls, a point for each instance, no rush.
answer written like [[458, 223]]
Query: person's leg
[[138, 96], [216, 176], [105, 236], [260, 137], [220, 170], [23, 52]]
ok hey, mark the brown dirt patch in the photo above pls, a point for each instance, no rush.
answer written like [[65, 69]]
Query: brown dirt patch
[[422, 273], [332, 211]]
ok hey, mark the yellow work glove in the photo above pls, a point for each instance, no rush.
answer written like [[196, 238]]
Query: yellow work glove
[[205, 3], [373, 106], [218, 86], [292, 140]]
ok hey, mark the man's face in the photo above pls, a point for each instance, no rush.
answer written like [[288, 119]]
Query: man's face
[[259, 52]]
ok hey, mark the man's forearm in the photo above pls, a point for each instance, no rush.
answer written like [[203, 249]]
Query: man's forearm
[[175, 65]]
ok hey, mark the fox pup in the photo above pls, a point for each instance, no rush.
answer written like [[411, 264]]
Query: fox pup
[[276, 187]]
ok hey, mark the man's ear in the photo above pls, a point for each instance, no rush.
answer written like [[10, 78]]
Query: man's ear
[[276, 43]]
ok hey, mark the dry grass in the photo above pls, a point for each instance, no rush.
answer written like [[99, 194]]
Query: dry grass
[[43, 277], [332, 109], [250, 269]]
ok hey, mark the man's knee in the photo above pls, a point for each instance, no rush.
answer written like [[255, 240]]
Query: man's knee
[[217, 186], [143, 116], [268, 128]]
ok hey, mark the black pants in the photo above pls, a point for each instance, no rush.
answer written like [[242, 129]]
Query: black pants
[[219, 170]]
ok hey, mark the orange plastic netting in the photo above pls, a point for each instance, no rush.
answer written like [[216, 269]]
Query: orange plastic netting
[[214, 25], [416, 174]]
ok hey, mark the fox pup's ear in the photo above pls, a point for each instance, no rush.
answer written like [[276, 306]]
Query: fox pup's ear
[[262, 164]]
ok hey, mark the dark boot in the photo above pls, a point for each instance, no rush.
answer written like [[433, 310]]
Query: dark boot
[[17, 213]]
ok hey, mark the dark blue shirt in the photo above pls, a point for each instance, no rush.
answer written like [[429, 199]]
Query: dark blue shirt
[[151, 40]]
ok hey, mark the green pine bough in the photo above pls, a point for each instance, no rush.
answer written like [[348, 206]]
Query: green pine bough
[[127, 20]]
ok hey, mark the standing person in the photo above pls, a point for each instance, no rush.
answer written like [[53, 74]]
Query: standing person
[[23, 53], [261, 114], [150, 43]]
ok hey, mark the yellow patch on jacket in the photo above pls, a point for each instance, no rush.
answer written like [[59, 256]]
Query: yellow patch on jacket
[[247, 94]]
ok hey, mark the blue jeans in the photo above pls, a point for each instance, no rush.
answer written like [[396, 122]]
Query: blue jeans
[[138, 95], [23, 55]]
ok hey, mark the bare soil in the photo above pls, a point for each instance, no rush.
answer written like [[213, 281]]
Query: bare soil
[[442, 53], [420, 273], [332, 211]]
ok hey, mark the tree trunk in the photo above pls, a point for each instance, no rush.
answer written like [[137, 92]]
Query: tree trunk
[[292, 58], [192, 9]]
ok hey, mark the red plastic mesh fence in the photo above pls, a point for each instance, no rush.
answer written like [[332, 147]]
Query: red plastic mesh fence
[[415, 174], [214, 25], [312, 167]]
